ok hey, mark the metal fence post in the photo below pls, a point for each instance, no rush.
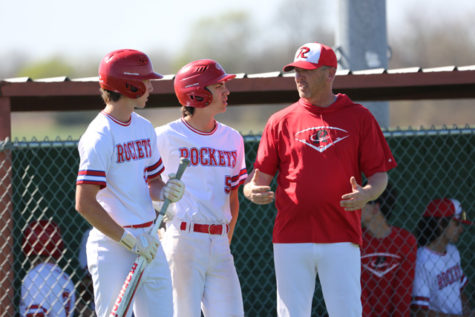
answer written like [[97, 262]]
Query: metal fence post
[[6, 221]]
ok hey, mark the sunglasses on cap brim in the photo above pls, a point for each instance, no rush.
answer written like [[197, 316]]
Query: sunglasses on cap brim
[[462, 218]]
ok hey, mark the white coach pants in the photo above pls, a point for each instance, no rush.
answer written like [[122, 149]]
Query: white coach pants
[[338, 266]]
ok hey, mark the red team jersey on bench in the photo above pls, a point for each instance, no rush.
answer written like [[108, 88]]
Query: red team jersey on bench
[[387, 273]]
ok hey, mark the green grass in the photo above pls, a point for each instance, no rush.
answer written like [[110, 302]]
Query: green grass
[[50, 132]]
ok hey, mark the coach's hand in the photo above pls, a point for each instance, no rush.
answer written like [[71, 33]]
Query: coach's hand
[[356, 199], [173, 189], [144, 244], [256, 189]]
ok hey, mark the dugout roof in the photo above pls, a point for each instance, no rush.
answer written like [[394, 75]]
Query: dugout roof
[[63, 93]]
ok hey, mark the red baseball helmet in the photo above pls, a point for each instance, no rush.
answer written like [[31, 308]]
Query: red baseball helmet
[[124, 71], [193, 78], [43, 237]]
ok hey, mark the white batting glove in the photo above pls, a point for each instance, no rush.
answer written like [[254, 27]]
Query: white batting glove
[[144, 244], [173, 190]]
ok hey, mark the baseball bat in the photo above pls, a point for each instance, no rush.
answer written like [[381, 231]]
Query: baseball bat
[[126, 294]]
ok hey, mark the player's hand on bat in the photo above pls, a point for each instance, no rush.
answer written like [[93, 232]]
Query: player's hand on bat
[[173, 189], [356, 199], [144, 244], [259, 194]]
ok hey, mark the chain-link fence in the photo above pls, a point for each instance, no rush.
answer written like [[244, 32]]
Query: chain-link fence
[[37, 181]]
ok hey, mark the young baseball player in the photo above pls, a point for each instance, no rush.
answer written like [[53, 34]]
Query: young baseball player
[[46, 290], [388, 260], [119, 175], [197, 238], [319, 146], [439, 280]]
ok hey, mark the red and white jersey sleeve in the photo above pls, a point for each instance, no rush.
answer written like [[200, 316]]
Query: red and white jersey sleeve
[[439, 281], [217, 167], [47, 291], [121, 157]]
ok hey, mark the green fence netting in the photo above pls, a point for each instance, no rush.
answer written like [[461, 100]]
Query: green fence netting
[[37, 181]]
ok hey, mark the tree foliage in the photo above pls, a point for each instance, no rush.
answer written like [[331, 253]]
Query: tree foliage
[[223, 38], [243, 44], [51, 67], [450, 43]]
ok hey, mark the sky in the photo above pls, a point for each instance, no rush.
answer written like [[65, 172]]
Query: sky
[[79, 29], [35, 30]]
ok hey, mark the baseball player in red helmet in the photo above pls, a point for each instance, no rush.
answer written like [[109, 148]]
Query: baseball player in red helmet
[[119, 175], [46, 290], [201, 227], [319, 146], [439, 280]]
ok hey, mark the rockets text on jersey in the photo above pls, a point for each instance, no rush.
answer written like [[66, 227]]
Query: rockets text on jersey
[[208, 156], [450, 276], [133, 150]]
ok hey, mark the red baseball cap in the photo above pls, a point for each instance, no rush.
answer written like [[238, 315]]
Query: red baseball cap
[[445, 207], [312, 56]]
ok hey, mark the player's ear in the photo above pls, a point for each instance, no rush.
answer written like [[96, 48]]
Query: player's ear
[[377, 206], [373, 207], [441, 226], [331, 73]]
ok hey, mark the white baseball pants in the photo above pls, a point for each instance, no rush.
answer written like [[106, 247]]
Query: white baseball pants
[[338, 266], [109, 264], [203, 274]]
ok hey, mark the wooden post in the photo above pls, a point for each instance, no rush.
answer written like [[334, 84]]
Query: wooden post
[[6, 209]]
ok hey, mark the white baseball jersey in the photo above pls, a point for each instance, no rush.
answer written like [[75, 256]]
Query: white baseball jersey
[[47, 291], [202, 267], [120, 157], [217, 167], [439, 280]]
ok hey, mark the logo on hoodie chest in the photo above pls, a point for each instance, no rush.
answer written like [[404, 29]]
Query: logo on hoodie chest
[[321, 138], [380, 264]]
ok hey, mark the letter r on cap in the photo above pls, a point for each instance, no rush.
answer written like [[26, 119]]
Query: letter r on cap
[[303, 52]]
